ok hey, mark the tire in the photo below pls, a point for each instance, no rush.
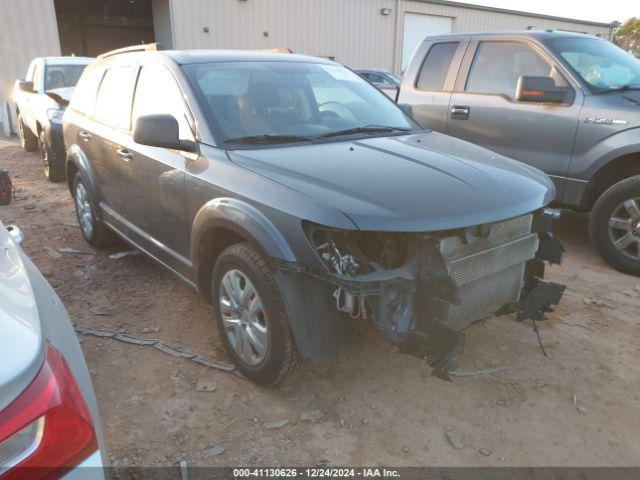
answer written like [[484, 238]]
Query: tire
[[614, 226], [86, 207], [28, 140], [53, 167], [279, 357]]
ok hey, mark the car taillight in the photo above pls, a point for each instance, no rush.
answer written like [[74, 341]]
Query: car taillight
[[48, 429]]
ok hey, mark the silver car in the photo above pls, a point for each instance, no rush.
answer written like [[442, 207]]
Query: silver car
[[49, 422]]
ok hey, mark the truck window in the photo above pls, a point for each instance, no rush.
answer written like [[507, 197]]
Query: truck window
[[113, 105], [37, 77], [158, 93], [436, 66], [497, 66]]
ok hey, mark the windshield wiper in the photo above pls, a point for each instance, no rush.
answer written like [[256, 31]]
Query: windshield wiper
[[372, 129], [623, 88], [266, 138]]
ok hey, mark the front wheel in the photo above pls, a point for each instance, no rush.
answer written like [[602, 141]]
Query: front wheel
[[614, 226], [28, 140], [53, 168], [251, 315], [93, 231]]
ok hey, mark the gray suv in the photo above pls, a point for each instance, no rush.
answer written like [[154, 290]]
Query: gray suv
[[566, 103], [293, 194]]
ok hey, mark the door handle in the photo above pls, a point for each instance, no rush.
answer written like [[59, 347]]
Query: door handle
[[85, 135], [124, 154], [459, 112]]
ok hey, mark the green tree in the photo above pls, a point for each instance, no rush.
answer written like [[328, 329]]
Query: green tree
[[627, 36]]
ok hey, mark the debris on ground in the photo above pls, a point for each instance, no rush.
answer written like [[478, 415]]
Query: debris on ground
[[184, 470], [125, 253], [315, 416], [598, 303], [215, 449], [156, 343], [484, 452], [51, 252], [99, 311], [206, 386], [477, 373], [455, 438], [276, 424], [74, 251]]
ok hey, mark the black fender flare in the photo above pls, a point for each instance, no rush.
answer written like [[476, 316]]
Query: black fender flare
[[77, 157], [243, 219]]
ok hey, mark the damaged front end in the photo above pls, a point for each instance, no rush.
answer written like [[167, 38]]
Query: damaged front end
[[423, 289]]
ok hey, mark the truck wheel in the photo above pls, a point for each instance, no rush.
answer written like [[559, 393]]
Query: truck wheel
[[614, 226], [251, 316], [93, 230], [53, 170], [28, 140]]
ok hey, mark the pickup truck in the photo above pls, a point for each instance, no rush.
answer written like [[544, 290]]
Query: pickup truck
[[40, 100], [566, 103]]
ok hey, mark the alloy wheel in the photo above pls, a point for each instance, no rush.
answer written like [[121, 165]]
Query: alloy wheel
[[624, 228], [83, 207], [243, 317]]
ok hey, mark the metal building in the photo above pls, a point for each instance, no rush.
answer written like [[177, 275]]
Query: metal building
[[357, 33]]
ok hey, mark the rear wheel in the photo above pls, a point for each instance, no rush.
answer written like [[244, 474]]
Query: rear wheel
[[93, 231], [251, 316], [614, 226], [53, 168], [28, 140]]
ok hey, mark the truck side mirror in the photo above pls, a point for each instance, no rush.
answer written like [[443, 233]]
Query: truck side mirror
[[540, 90], [160, 131], [406, 108], [26, 86]]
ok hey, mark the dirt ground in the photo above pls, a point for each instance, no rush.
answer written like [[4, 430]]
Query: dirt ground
[[372, 405]]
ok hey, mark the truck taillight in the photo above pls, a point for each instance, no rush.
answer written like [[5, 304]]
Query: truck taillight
[[48, 429]]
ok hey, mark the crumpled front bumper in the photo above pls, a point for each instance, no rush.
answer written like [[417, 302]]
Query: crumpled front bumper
[[450, 281]]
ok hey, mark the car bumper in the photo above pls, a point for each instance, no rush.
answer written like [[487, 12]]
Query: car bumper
[[91, 468], [55, 139]]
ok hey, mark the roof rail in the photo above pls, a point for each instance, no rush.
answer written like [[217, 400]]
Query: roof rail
[[149, 47]]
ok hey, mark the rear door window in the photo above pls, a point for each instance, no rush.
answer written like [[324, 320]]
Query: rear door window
[[497, 66], [113, 105], [436, 66]]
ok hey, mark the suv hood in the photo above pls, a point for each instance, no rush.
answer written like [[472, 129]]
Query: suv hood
[[418, 182]]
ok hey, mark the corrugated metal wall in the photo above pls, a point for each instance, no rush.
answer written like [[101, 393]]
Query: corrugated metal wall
[[28, 29], [352, 31]]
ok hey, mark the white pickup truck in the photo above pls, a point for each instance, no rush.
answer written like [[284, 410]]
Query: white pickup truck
[[40, 101]]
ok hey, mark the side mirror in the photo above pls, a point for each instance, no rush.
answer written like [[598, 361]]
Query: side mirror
[[160, 131], [26, 86], [15, 233], [540, 90], [406, 108]]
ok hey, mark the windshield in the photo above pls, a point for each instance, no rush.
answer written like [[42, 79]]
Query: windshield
[[279, 102], [600, 63], [61, 76]]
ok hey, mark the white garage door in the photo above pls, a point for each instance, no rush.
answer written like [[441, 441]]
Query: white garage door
[[418, 26]]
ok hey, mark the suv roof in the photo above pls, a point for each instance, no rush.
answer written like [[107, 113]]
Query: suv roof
[[206, 56], [536, 34]]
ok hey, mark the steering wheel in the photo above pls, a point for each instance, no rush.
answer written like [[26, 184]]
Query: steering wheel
[[333, 113]]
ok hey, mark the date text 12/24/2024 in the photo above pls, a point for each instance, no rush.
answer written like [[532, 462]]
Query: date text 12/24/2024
[[316, 472]]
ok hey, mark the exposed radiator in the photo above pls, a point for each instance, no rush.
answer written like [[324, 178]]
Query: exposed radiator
[[489, 272]]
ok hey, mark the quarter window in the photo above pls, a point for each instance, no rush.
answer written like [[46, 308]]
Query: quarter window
[[83, 99], [158, 93], [497, 66], [436, 66], [113, 105]]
